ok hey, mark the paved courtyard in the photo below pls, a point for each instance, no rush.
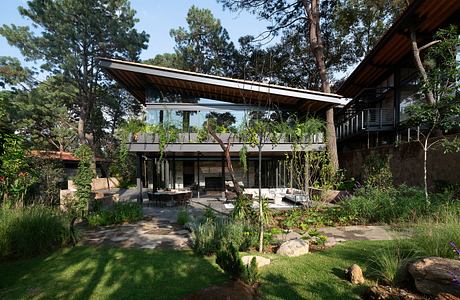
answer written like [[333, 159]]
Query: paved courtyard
[[159, 230]]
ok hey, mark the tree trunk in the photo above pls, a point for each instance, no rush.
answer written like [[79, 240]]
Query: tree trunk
[[86, 138], [261, 211], [317, 48], [331, 141], [228, 159], [421, 69], [425, 171]]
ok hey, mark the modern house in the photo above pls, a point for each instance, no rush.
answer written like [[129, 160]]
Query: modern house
[[184, 100], [381, 87]]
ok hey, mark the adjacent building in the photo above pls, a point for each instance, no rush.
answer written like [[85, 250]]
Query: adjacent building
[[381, 88]]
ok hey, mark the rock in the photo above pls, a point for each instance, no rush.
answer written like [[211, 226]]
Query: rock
[[287, 236], [381, 292], [330, 242], [261, 261], [355, 274], [445, 296], [295, 247], [182, 232], [119, 239], [435, 275], [150, 246]]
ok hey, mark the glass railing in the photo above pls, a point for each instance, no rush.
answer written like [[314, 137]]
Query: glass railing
[[371, 119]]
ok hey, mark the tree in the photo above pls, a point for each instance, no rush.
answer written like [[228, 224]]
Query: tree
[[438, 106], [205, 46], [320, 24], [260, 128], [73, 34]]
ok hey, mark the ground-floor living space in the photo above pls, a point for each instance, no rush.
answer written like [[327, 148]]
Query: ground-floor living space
[[209, 174]]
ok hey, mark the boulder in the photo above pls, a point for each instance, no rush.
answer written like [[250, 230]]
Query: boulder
[[283, 237], [261, 261], [355, 274], [382, 292], [295, 247], [435, 275]]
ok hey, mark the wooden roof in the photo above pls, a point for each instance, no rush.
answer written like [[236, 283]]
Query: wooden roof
[[426, 15], [136, 77]]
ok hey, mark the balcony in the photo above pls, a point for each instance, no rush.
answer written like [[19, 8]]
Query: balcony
[[366, 120], [191, 143]]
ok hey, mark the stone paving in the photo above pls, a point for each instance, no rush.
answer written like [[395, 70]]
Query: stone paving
[[349, 233], [149, 233], [159, 229]]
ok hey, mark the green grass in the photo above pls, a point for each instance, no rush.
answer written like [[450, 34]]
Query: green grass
[[108, 273], [319, 275], [103, 273]]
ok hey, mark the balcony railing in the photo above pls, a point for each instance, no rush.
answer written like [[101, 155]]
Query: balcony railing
[[193, 138], [190, 142], [371, 119]]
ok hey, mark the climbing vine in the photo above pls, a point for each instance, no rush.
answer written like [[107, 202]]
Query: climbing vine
[[83, 179]]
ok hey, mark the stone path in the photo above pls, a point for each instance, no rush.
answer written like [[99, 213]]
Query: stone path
[[149, 233], [351, 233]]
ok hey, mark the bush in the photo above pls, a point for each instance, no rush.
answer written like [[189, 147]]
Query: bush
[[229, 260], [243, 209], [203, 239], [183, 217], [389, 263], [430, 237], [251, 273], [209, 215], [402, 204], [377, 172], [118, 213], [32, 230], [210, 237]]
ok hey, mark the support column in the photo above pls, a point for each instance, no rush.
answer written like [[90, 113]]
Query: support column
[[154, 175], [198, 175], [139, 177], [223, 178], [277, 174], [174, 171]]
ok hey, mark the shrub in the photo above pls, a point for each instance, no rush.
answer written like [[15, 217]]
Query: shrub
[[402, 204], [209, 215], [182, 217], [118, 213], [229, 260], [210, 237], [377, 172], [32, 230], [203, 241], [251, 272], [389, 263], [243, 209], [431, 237]]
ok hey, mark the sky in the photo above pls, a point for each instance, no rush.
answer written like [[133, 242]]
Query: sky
[[156, 17]]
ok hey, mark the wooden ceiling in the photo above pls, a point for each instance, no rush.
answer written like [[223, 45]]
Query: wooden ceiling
[[137, 77], [426, 15]]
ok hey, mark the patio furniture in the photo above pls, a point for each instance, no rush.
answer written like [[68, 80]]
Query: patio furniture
[[169, 198]]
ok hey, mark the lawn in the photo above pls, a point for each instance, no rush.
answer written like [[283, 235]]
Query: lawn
[[319, 275], [108, 273], [103, 273]]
